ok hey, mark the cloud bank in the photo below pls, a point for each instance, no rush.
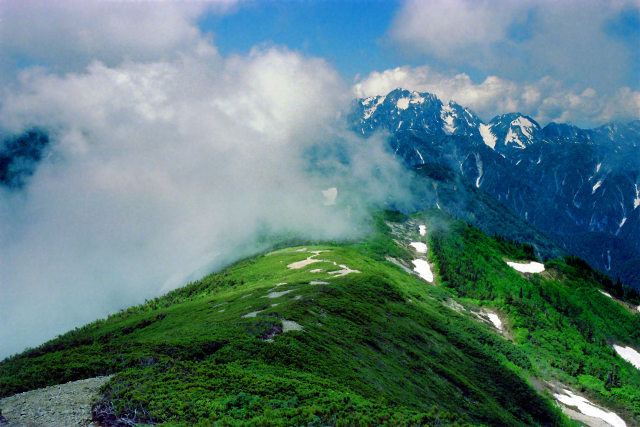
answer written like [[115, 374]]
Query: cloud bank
[[590, 43], [69, 34], [568, 61], [544, 99], [165, 168]]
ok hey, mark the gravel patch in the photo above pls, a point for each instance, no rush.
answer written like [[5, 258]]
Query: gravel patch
[[59, 405]]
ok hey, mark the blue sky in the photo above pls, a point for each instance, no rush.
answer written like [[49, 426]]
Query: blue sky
[[349, 34], [359, 36]]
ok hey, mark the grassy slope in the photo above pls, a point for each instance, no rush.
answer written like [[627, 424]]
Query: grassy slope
[[378, 346], [559, 318]]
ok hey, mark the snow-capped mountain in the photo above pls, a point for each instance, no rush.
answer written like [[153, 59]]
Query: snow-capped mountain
[[580, 185], [511, 131], [401, 110]]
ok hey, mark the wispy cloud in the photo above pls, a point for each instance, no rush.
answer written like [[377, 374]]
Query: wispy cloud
[[165, 167], [578, 42]]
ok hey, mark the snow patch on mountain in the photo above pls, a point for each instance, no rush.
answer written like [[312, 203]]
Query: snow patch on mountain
[[520, 127], [606, 294], [595, 187], [487, 136], [636, 201], [447, 114], [479, 166], [419, 247], [495, 320], [371, 106], [530, 267], [513, 137], [525, 126], [344, 270], [570, 399], [423, 269], [403, 103], [628, 354]]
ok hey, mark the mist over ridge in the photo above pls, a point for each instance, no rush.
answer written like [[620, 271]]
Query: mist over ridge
[[159, 172]]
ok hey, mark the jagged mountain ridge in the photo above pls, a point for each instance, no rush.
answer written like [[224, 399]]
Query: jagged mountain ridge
[[570, 182]]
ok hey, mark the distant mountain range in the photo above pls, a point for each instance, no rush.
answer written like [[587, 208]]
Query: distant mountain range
[[581, 186]]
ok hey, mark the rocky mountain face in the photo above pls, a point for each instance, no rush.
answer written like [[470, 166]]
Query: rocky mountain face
[[582, 186]]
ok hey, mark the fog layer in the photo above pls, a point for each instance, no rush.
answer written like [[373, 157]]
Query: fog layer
[[161, 171]]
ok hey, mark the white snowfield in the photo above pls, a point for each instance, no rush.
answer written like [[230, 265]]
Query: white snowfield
[[587, 408], [628, 354], [447, 116], [495, 320], [343, 272], [403, 103], [423, 230], [369, 108], [310, 260], [525, 126], [530, 267], [419, 247], [622, 222], [513, 137], [595, 187], [423, 269], [606, 294], [303, 263], [487, 136]]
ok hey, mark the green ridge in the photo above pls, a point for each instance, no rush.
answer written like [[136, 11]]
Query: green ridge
[[376, 347]]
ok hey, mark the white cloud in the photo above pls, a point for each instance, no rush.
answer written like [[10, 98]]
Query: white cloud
[[569, 40], [69, 34], [450, 28], [545, 99], [163, 170]]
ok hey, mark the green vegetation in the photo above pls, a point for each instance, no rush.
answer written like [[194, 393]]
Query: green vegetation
[[366, 355], [262, 343], [559, 318]]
